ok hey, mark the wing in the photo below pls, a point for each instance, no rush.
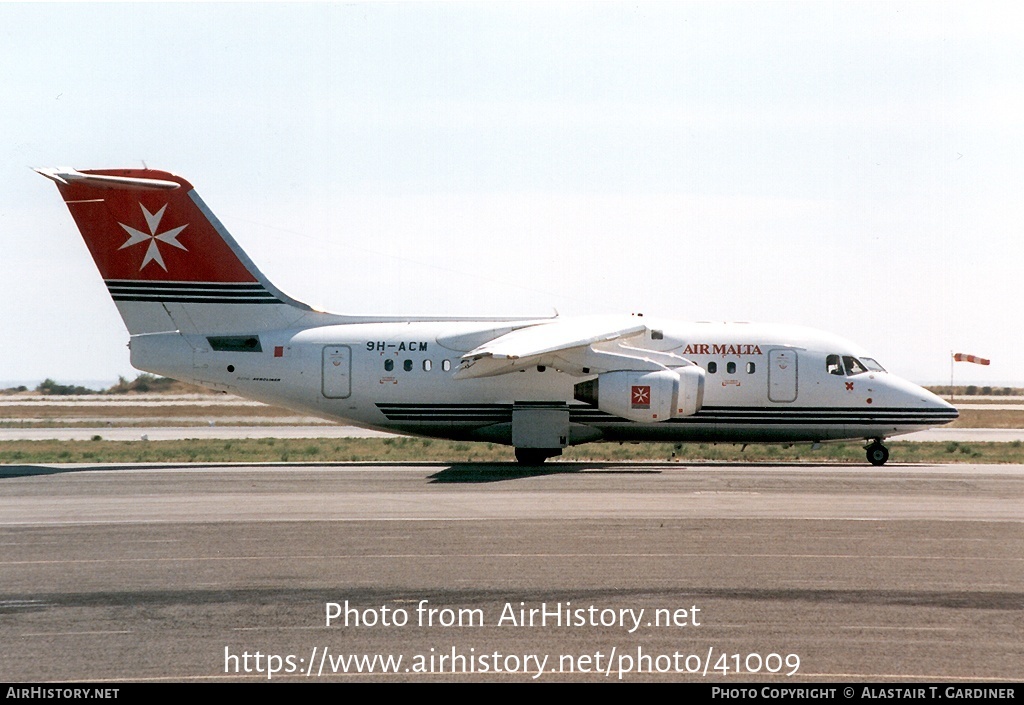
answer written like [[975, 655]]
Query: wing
[[578, 347]]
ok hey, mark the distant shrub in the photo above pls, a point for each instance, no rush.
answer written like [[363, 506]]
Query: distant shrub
[[48, 386], [145, 382]]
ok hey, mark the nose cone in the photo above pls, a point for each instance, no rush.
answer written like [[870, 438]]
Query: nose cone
[[936, 410], [943, 408]]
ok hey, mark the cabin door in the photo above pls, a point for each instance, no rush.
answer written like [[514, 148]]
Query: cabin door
[[782, 375], [337, 382]]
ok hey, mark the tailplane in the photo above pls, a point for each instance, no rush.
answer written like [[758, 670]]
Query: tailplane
[[167, 261]]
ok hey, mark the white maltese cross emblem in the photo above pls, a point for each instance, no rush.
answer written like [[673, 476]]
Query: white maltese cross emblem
[[169, 237]]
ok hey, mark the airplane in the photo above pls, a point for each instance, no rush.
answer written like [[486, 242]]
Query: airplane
[[197, 309]]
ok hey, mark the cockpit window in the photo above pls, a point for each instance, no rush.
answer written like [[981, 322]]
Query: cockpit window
[[849, 365], [872, 365], [834, 365], [853, 366]]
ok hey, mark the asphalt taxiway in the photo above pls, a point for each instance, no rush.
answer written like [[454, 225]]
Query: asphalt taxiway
[[185, 573]]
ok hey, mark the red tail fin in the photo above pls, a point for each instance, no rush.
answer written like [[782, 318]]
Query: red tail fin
[[168, 262], [142, 225]]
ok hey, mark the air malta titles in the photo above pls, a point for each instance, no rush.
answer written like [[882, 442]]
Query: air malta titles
[[719, 349]]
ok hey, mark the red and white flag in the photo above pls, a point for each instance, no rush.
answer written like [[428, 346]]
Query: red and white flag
[[964, 357]]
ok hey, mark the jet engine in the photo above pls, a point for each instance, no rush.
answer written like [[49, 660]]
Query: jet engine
[[647, 397]]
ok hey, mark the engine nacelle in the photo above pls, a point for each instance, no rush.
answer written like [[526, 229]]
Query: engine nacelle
[[647, 397]]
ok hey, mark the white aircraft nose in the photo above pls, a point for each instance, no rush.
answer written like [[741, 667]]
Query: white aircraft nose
[[935, 401], [940, 409]]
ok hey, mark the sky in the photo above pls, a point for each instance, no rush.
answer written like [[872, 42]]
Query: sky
[[855, 167]]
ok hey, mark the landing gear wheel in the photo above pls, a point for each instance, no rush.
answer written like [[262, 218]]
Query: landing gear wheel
[[531, 456], [877, 454]]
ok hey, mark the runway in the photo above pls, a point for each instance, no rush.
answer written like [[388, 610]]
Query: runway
[[582, 572]]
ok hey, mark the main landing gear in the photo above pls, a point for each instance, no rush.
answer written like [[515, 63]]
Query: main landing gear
[[877, 453]]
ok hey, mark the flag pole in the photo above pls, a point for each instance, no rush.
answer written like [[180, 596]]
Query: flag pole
[[951, 359]]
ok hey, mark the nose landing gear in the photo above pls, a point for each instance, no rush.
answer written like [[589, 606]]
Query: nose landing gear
[[877, 453]]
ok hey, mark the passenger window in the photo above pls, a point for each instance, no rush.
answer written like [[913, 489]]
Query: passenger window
[[389, 365], [446, 365], [426, 365], [833, 365], [731, 368], [750, 368], [712, 368], [407, 365]]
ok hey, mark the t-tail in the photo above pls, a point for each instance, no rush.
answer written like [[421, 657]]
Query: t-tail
[[168, 262]]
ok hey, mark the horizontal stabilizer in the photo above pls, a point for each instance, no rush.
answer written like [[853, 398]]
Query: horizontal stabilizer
[[68, 176]]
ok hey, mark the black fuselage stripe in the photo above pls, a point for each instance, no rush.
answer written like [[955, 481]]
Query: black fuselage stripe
[[732, 412], [427, 413]]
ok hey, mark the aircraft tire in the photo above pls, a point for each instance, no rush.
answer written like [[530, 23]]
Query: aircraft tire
[[877, 454]]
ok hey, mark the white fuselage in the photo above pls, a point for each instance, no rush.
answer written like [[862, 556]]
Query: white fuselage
[[761, 383]]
